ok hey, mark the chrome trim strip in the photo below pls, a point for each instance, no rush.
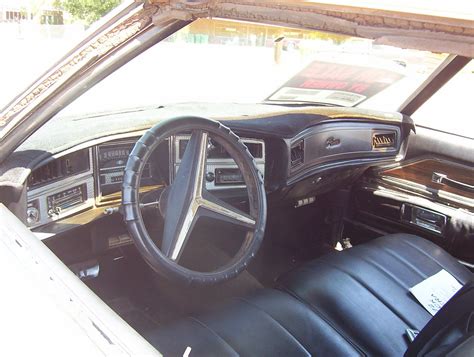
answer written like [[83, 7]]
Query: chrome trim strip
[[422, 189]]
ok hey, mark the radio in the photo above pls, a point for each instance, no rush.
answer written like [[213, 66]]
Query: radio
[[66, 199], [115, 175], [231, 176]]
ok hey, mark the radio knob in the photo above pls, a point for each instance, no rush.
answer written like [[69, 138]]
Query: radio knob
[[32, 215], [54, 211], [210, 176]]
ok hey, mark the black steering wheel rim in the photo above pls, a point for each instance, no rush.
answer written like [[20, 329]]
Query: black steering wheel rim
[[154, 256]]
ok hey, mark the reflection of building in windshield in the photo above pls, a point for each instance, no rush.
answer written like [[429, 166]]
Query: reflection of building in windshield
[[21, 11], [247, 34]]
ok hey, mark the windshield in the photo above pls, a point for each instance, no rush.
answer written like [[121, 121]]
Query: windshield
[[225, 61]]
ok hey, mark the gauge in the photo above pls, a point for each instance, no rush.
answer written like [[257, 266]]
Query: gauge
[[214, 149], [112, 156]]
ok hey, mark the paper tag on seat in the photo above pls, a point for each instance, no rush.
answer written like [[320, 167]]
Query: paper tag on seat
[[435, 291]]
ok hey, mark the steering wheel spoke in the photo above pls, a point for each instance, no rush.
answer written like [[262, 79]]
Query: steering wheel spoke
[[182, 200], [215, 208], [173, 244]]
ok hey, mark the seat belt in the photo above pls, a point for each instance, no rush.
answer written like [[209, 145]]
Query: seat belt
[[453, 322]]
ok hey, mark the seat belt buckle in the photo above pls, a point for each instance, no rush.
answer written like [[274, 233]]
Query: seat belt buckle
[[411, 334]]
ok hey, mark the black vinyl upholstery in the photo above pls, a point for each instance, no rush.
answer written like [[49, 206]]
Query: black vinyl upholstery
[[364, 290], [270, 323], [354, 302]]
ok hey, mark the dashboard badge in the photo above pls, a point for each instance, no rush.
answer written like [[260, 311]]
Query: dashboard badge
[[332, 142]]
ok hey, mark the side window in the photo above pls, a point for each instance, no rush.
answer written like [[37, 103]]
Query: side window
[[450, 109]]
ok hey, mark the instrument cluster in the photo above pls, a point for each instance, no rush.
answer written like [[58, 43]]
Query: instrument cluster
[[111, 161], [92, 177], [221, 172]]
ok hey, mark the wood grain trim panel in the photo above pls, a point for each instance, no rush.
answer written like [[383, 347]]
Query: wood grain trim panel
[[421, 172]]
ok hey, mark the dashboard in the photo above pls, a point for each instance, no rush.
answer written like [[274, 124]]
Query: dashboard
[[300, 156]]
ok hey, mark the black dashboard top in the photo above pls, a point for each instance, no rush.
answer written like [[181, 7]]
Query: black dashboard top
[[255, 120], [60, 133]]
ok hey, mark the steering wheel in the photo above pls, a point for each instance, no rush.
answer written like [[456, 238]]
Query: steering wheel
[[186, 200]]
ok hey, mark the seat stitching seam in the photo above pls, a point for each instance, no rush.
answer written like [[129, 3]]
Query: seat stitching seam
[[367, 260], [325, 318], [418, 250], [384, 271], [424, 253], [392, 253], [278, 323], [383, 301], [213, 332]]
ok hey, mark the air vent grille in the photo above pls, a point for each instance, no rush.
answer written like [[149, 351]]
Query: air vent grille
[[256, 149], [297, 154], [46, 173], [383, 140], [65, 166]]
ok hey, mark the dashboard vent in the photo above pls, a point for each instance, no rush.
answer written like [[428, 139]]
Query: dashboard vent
[[383, 140], [65, 166], [297, 154], [256, 149], [46, 173]]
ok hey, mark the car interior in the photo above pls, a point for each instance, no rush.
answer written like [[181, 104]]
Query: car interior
[[259, 229]]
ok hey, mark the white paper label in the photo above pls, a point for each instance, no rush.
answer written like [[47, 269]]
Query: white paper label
[[435, 291]]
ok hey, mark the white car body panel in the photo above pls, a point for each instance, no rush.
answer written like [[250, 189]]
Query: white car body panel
[[47, 311]]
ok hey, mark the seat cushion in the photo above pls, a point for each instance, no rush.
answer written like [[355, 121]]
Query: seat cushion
[[363, 292], [270, 323]]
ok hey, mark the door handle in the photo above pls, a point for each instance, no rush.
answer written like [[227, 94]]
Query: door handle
[[445, 180]]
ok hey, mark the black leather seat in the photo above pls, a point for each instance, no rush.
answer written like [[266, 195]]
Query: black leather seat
[[270, 323], [354, 302], [363, 291]]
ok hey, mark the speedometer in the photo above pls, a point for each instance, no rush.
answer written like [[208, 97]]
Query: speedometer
[[112, 159], [114, 156]]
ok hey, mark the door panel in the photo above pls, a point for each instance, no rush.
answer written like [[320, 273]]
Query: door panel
[[423, 175], [440, 144], [407, 198]]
